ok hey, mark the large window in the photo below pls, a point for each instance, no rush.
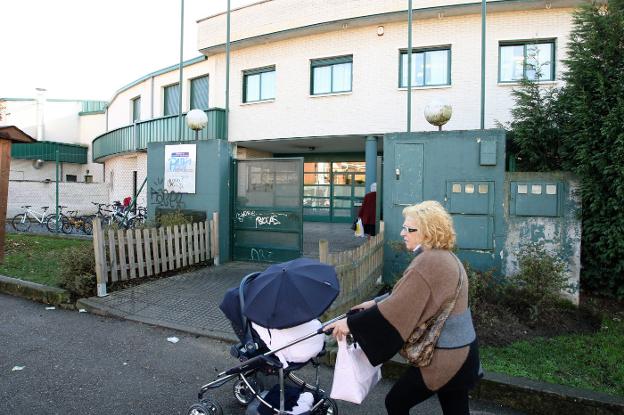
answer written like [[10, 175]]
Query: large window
[[430, 67], [532, 60], [199, 93], [136, 109], [171, 103], [259, 84], [331, 75]]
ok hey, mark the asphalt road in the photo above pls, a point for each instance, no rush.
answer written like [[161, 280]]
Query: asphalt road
[[79, 363]]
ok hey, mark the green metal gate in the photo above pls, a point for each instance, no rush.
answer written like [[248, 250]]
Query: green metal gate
[[267, 217]]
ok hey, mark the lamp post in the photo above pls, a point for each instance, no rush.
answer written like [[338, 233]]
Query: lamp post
[[196, 120]]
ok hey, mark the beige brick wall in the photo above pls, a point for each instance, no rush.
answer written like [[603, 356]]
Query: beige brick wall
[[376, 105], [76, 196], [119, 176]]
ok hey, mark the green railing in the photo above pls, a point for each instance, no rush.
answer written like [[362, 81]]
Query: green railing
[[46, 150], [137, 136]]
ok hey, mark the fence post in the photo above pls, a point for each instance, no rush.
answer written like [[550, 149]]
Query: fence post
[[98, 247], [323, 250], [215, 218]]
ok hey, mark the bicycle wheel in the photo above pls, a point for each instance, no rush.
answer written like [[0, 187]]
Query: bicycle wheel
[[21, 223], [51, 223], [67, 225], [87, 225]]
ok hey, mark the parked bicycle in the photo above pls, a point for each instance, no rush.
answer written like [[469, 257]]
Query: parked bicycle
[[64, 225], [79, 223], [22, 221]]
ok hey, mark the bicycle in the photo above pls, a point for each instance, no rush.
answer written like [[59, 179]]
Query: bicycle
[[80, 223], [21, 221], [52, 218]]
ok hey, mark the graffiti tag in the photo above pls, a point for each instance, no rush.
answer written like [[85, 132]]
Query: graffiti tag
[[260, 254]]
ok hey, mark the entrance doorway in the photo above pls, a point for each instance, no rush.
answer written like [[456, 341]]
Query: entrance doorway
[[333, 190]]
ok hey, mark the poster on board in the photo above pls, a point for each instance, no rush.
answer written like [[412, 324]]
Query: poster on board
[[180, 163]]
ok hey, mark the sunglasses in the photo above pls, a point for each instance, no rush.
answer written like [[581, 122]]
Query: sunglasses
[[410, 230]]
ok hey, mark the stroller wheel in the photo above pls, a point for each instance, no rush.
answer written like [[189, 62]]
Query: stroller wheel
[[242, 393], [205, 407], [328, 407]]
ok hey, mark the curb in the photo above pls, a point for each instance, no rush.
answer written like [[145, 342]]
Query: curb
[[533, 397], [36, 292]]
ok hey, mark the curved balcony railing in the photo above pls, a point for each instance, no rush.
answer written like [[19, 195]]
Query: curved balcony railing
[[135, 137]]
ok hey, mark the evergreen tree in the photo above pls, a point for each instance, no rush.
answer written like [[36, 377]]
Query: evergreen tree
[[591, 106], [533, 134]]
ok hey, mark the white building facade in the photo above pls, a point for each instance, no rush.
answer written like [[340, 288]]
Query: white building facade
[[319, 78]]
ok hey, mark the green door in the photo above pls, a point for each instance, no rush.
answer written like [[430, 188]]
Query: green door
[[267, 221]]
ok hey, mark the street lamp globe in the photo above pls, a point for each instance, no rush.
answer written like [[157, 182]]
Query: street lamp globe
[[438, 113], [196, 120]]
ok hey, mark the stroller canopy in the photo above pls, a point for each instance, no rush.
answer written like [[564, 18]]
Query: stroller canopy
[[290, 293]]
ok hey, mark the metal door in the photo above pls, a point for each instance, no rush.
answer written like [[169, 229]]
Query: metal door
[[267, 217]]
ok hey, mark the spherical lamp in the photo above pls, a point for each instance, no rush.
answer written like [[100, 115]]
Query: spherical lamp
[[438, 113], [196, 120]]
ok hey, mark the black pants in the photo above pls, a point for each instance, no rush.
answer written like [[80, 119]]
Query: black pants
[[410, 390]]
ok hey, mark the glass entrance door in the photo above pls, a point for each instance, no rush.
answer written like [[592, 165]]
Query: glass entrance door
[[332, 189]]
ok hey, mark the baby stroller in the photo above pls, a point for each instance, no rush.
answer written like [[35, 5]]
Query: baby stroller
[[247, 303]]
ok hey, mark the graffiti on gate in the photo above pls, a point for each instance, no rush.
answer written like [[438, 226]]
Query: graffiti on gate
[[260, 219], [163, 198], [261, 254]]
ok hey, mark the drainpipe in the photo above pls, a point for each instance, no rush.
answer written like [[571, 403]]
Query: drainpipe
[[371, 161], [41, 103], [181, 64], [227, 72], [409, 67], [483, 13]]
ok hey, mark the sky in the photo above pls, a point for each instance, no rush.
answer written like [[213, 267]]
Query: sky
[[88, 49]]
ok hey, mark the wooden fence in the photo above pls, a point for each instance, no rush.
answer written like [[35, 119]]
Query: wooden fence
[[358, 271], [137, 253]]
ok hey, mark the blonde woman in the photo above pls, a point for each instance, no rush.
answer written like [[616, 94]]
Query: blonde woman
[[384, 324]]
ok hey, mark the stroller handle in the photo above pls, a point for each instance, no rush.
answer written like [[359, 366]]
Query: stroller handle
[[327, 323]]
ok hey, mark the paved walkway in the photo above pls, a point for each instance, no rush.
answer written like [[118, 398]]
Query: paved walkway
[[190, 301]]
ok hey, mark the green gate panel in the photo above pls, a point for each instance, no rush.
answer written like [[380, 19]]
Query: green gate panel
[[470, 197], [473, 231], [267, 217], [408, 173], [535, 198]]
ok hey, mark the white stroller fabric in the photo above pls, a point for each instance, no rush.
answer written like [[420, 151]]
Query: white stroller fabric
[[297, 353]]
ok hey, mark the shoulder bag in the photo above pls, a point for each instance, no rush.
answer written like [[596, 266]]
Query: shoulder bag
[[420, 345]]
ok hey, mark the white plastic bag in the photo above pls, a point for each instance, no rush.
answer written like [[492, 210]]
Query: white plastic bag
[[354, 376], [359, 228]]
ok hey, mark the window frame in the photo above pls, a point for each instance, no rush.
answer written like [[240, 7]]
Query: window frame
[[524, 43], [258, 71], [133, 102], [331, 61], [190, 84], [165, 99], [424, 50]]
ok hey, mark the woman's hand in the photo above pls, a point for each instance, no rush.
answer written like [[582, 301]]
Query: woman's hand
[[363, 306], [340, 329]]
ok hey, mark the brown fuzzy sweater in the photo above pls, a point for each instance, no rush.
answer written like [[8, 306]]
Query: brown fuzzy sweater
[[429, 280]]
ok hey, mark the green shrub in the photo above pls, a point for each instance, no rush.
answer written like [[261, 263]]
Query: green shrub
[[174, 218], [482, 288], [539, 283], [77, 271]]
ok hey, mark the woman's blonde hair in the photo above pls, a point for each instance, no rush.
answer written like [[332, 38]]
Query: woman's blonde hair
[[435, 224]]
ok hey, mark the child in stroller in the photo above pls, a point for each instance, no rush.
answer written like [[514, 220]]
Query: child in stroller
[[258, 359]]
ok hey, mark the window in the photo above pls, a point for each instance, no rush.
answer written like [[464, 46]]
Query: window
[[136, 109], [430, 67], [171, 103], [331, 75], [71, 178], [259, 84], [530, 60], [199, 93]]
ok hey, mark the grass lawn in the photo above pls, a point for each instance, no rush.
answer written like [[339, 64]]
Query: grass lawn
[[590, 361], [35, 257]]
